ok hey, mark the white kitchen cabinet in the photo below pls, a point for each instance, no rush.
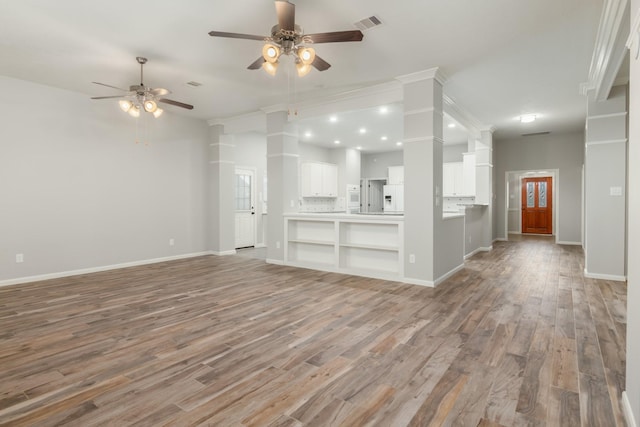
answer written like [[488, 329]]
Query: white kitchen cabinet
[[395, 175], [319, 179], [469, 174], [452, 181]]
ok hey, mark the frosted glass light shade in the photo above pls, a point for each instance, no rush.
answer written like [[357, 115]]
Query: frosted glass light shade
[[125, 105], [134, 111], [150, 106], [303, 69], [158, 112], [270, 53], [270, 68], [306, 55]]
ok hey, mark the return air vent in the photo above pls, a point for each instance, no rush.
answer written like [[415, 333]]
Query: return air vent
[[194, 84], [536, 133], [368, 23]]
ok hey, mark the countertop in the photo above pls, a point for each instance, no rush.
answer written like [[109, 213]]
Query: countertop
[[344, 215]]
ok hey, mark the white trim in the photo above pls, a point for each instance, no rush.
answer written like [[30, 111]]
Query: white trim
[[515, 232], [604, 116], [423, 139], [462, 116], [259, 245], [420, 111], [513, 209], [614, 277], [634, 30], [274, 261], [484, 164], [283, 155], [431, 73], [292, 135], [223, 253], [221, 144], [607, 141], [427, 283], [448, 274], [626, 407], [477, 250], [226, 162], [275, 108], [500, 239], [49, 276], [562, 242]]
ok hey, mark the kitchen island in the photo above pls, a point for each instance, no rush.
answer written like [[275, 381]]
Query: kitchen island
[[359, 244]]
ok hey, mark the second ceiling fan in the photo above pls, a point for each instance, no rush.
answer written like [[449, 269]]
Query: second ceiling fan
[[287, 38]]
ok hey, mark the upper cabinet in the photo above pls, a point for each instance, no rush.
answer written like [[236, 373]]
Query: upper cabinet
[[396, 175], [459, 178], [319, 179]]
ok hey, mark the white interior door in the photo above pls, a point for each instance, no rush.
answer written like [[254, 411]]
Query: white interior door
[[375, 195], [245, 208]]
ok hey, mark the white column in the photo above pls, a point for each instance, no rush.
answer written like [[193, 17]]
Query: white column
[[282, 175], [430, 248], [484, 184], [605, 185], [631, 395], [221, 179]]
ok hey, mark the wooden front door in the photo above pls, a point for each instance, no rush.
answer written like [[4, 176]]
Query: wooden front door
[[536, 205]]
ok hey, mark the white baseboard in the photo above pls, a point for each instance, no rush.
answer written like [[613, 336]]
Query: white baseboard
[[450, 273], [480, 249], [500, 239], [60, 274], [514, 232], [613, 277], [274, 261], [224, 253], [260, 245], [628, 413], [561, 242], [418, 282]]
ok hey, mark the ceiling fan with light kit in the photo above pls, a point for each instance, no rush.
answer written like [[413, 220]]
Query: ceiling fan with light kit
[[287, 38], [142, 98]]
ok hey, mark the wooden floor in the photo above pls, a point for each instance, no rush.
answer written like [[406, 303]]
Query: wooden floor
[[519, 337]]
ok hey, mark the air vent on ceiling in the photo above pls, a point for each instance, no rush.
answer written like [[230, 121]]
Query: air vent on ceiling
[[368, 23], [194, 84], [536, 133]]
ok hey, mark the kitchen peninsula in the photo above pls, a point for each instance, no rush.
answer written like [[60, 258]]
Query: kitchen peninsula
[[359, 244]]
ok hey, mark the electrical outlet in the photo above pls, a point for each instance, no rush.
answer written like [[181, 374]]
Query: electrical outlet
[[19, 257], [172, 242], [412, 259], [277, 245]]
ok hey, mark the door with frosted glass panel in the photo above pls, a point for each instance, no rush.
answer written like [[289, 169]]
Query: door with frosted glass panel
[[536, 206], [245, 208]]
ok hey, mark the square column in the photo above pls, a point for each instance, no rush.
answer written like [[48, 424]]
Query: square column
[[432, 247], [484, 185], [222, 202], [282, 174], [605, 186]]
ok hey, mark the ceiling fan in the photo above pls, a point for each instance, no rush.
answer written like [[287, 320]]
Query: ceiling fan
[[288, 38], [140, 97]]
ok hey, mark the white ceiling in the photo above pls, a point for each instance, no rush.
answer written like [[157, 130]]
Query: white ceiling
[[502, 58]]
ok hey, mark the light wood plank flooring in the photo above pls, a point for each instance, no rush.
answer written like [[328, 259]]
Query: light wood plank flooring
[[519, 337]]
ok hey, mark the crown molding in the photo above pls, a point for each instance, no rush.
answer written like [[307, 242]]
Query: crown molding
[[609, 50], [462, 116], [431, 73], [275, 108], [634, 35]]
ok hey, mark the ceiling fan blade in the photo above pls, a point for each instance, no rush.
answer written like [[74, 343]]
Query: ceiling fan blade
[[257, 64], [159, 91], [320, 64], [176, 103], [286, 15], [337, 36], [235, 35], [106, 97], [112, 87]]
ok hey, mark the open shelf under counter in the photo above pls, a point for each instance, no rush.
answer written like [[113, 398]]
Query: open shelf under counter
[[364, 245]]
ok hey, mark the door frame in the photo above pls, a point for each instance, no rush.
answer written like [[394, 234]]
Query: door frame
[[254, 188], [532, 173]]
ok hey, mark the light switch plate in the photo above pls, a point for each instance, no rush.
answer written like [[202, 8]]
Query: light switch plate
[[615, 191]]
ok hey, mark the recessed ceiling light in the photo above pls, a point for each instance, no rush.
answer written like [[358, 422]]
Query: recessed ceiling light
[[358, 148], [363, 130], [336, 141], [527, 118], [384, 110], [399, 143], [333, 119], [307, 134], [383, 138], [452, 125]]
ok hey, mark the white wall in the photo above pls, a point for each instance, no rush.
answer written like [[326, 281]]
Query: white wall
[[564, 152], [453, 153], [77, 191], [375, 165]]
